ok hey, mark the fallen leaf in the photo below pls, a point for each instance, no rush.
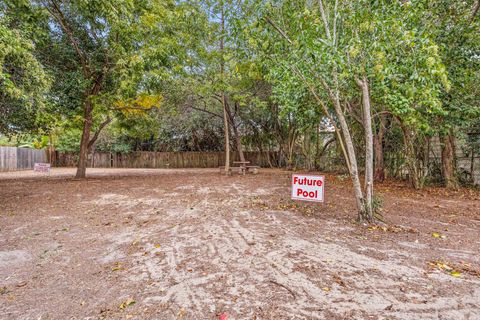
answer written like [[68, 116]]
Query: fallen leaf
[[438, 235], [181, 313], [157, 246], [339, 280], [455, 274], [127, 303], [118, 266]]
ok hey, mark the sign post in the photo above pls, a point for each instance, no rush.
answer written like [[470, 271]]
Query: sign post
[[308, 187], [41, 167]]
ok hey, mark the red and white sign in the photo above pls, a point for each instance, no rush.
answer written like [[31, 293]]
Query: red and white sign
[[41, 167], [307, 187]]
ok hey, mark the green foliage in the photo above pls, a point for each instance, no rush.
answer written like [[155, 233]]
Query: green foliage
[[69, 141], [158, 67], [23, 80], [36, 143], [405, 69]]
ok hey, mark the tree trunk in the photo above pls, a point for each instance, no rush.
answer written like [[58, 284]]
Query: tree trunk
[[348, 149], [413, 172], [317, 146], [352, 160], [236, 133], [227, 136], [224, 101], [367, 124], [379, 161], [472, 166], [448, 161], [292, 135], [84, 142], [379, 175], [238, 140], [306, 149]]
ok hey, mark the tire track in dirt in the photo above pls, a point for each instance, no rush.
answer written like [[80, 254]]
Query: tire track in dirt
[[243, 261], [206, 252]]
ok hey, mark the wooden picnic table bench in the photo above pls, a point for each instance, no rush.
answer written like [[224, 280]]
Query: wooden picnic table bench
[[241, 163], [243, 167]]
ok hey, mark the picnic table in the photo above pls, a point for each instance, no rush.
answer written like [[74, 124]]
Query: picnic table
[[243, 167], [246, 167], [241, 163]]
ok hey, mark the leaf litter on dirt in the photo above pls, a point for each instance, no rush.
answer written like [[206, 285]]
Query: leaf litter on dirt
[[438, 235], [446, 267], [127, 303], [117, 266], [392, 228], [4, 290]]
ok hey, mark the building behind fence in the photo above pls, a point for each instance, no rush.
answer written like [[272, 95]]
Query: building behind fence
[[13, 158]]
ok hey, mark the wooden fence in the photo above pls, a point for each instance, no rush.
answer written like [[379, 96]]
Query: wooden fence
[[147, 159], [468, 164], [13, 158]]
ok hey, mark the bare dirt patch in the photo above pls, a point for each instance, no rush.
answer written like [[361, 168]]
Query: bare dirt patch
[[193, 244]]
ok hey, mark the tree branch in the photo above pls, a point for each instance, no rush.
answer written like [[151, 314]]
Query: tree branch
[[206, 111], [97, 133], [381, 113], [352, 112], [280, 31], [59, 16], [475, 9], [324, 18], [325, 146], [335, 11]]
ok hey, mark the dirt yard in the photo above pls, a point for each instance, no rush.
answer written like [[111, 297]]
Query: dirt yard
[[194, 244]]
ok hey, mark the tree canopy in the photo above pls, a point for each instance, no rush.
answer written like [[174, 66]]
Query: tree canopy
[[373, 83]]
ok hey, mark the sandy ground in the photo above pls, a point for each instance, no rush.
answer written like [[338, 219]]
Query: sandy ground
[[194, 244]]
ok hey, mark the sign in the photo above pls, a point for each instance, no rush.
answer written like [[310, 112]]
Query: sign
[[307, 187], [41, 167]]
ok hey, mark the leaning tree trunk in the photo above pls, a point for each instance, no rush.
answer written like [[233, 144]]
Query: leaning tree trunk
[[448, 161], [367, 124], [351, 160], [87, 125]]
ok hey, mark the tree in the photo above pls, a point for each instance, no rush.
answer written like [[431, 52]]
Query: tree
[[404, 68], [23, 81], [102, 35], [454, 25], [309, 47], [110, 57]]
